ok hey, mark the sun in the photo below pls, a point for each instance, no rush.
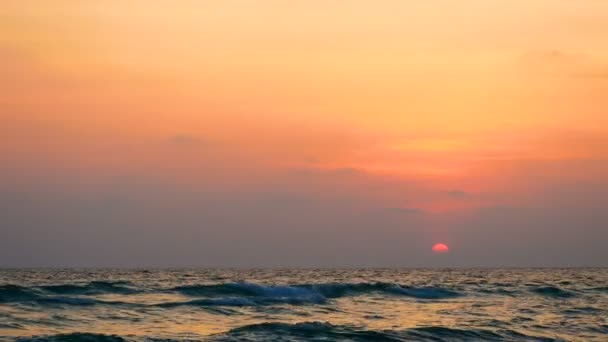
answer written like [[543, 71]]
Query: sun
[[441, 248]]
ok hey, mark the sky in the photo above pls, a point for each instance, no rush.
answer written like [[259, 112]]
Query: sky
[[267, 133]]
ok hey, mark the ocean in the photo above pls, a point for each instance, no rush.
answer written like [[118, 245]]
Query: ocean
[[304, 305]]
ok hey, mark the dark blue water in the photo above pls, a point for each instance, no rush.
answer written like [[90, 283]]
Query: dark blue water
[[304, 305]]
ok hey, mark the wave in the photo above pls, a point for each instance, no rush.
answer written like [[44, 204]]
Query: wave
[[425, 292], [246, 294], [318, 331], [242, 301], [552, 291], [91, 288], [326, 331], [11, 326], [20, 294], [249, 294], [245, 289], [584, 310], [314, 292], [15, 293], [303, 331], [60, 294], [73, 337], [438, 333], [61, 300]]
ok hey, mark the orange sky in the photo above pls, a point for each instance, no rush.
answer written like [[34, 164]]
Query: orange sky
[[477, 103], [401, 89]]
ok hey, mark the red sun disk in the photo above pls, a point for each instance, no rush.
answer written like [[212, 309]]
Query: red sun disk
[[440, 248]]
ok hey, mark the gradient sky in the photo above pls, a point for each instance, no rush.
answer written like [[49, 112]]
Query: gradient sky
[[303, 133]]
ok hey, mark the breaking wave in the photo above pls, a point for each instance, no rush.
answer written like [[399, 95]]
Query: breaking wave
[[315, 292]]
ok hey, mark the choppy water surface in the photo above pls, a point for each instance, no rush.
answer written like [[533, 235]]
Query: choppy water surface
[[304, 305]]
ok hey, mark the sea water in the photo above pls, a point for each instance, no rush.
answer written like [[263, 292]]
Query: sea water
[[304, 305]]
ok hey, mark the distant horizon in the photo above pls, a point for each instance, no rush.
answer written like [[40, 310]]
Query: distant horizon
[[159, 268]]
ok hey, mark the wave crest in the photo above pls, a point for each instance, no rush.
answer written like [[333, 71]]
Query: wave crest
[[314, 292]]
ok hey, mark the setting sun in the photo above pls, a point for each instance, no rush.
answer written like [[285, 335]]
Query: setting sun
[[441, 248]]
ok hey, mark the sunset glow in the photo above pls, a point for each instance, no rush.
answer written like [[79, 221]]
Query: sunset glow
[[398, 116], [273, 170]]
